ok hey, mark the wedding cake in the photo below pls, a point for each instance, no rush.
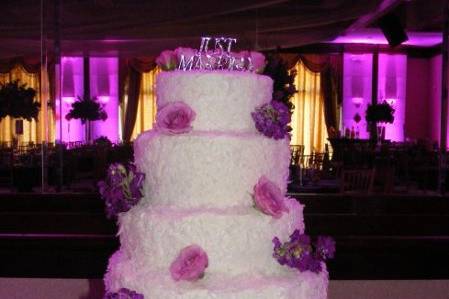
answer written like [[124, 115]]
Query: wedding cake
[[211, 211]]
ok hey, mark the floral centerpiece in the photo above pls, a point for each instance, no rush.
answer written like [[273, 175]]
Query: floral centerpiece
[[122, 188], [103, 141], [379, 113], [87, 109], [17, 100], [382, 112]]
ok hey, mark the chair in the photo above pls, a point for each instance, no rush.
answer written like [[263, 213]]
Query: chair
[[6, 167], [297, 153], [357, 180]]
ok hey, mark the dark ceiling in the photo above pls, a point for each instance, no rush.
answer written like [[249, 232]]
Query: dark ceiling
[[131, 27]]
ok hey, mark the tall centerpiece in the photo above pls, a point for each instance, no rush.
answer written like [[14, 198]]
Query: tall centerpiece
[[87, 109], [18, 101], [377, 115]]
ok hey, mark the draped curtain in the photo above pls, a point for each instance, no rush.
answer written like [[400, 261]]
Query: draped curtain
[[31, 132], [131, 78], [309, 127], [319, 81], [146, 110]]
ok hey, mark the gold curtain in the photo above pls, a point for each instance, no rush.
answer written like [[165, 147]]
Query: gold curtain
[[32, 130], [46, 120], [146, 111], [308, 123]]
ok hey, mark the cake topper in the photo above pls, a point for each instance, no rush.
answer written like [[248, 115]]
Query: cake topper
[[220, 58]]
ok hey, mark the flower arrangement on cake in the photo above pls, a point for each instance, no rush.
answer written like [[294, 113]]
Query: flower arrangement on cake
[[300, 253], [122, 188], [272, 120], [268, 198], [283, 80], [190, 264], [175, 118], [123, 293]]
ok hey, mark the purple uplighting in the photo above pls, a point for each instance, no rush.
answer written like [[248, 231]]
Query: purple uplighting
[[391, 88], [104, 86], [356, 91], [376, 37], [103, 99], [357, 101], [71, 87]]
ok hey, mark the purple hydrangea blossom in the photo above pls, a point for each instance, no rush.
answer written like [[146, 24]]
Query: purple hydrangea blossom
[[325, 247], [272, 119], [122, 188], [301, 254], [123, 294]]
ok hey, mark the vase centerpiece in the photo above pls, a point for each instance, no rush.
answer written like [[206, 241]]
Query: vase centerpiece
[[377, 115], [87, 109], [18, 101]]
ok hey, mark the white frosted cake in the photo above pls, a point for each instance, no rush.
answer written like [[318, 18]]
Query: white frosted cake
[[199, 189]]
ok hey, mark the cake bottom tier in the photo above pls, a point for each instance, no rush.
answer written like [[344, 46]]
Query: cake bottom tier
[[156, 285]]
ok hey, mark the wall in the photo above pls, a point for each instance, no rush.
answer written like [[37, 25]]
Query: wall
[[435, 98], [72, 87], [417, 118], [357, 75], [391, 88], [104, 86]]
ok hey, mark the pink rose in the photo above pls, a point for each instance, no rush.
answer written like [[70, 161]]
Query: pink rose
[[190, 264], [187, 53], [258, 61], [268, 198], [175, 118], [167, 60]]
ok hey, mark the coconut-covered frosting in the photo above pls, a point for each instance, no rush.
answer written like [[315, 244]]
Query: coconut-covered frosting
[[201, 171], [222, 100], [208, 169]]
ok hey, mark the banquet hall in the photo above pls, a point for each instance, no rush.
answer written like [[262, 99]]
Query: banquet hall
[[365, 84]]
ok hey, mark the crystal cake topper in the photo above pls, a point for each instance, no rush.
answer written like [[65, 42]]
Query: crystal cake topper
[[220, 58], [213, 54]]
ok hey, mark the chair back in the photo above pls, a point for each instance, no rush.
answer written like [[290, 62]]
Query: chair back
[[357, 180]]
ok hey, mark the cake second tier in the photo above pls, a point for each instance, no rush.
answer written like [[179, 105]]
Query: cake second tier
[[209, 169]]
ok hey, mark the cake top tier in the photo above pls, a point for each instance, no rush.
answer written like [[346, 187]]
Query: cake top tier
[[222, 100]]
